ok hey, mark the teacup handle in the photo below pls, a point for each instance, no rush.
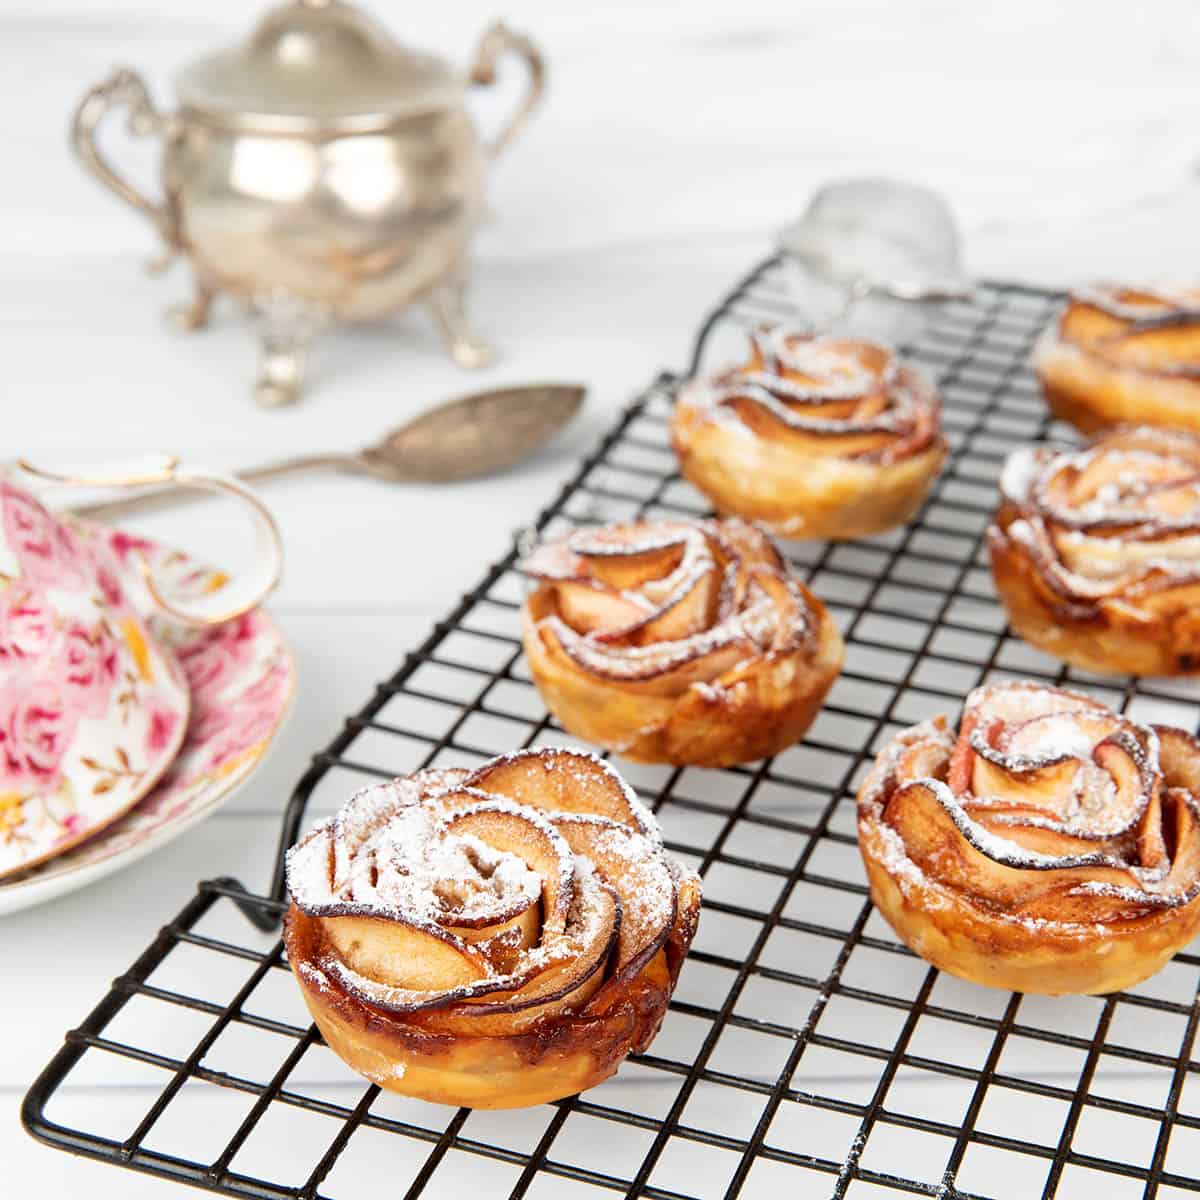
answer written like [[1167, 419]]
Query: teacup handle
[[239, 595]]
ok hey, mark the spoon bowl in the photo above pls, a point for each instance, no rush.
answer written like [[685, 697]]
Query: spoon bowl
[[480, 434]]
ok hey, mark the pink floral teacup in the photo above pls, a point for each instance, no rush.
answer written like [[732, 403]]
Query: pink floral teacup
[[93, 709]]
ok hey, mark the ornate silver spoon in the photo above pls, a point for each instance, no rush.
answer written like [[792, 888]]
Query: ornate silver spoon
[[480, 434]]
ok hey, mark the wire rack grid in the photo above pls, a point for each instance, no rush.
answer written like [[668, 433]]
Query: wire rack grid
[[807, 1052]]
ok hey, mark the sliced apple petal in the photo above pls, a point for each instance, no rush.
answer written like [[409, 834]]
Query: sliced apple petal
[[961, 767], [395, 952], [1033, 829], [587, 608], [1096, 567], [1051, 735], [790, 624], [1179, 758], [1044, 830], [871, 356], [1151, 844], [560, 780], [1088, 475], [1085, 323], [806, 400], [663, 669], [1171, 598], [1176, 497], [629, 556], [770, 419], [367, 811], [1166, 348], [739, 542], [1019, 701], [1182, 828], [502, 944], [533, 840], [926, 758], [1134, 780], [632, 865], [461, 796], [1045, 786], [1086, 904], [571, 977], [943, 840], [689, 611]]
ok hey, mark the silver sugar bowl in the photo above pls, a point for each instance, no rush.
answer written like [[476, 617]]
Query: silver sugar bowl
[[319, 172]]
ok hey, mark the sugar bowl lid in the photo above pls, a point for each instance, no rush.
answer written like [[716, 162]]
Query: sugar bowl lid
[[317, 65]]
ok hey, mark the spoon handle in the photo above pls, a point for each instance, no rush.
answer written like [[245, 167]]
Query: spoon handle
[[157, 499]]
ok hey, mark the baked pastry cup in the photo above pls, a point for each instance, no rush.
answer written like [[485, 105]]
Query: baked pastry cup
[[494, 938], [1096, 552], [1049, 846], [816, 437], [684, 642], [1124, 356]]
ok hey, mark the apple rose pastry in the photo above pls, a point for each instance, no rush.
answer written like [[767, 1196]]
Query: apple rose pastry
[[1096, 552], [684, 642], [817, 437], [1124, 356], [1051, 846], [493, 938]]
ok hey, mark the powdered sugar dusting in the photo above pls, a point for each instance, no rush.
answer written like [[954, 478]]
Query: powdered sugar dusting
[[826, 388], [1144, 307], [721, 573], [1021, 471], [410, 867], [650, 899], [1055, 735], [1020, 701], [558, 758], [1021, 729], [416, 852], [585, 928], [1117, 519]]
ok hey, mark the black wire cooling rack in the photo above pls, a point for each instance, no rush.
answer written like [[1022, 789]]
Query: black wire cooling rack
[[807, 1053]]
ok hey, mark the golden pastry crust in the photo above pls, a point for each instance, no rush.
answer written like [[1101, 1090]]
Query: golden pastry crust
[[1096, 552], [1050, 846], [685, 642], [495, 938], [1124, 356], [815, 437]]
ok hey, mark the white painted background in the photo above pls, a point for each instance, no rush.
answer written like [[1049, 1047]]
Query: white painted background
[[676, 139]]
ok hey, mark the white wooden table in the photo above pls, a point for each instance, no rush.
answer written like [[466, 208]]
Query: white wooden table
[[676, 139]]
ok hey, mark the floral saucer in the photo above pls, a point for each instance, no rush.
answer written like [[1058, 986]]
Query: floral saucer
[[241, 677]]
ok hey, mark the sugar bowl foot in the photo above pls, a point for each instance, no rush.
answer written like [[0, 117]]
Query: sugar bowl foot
[[447, 306], [287, 327], [194, 313]]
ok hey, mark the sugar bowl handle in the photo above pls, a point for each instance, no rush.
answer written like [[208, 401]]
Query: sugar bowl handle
[[497, 41], [122, 89]]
